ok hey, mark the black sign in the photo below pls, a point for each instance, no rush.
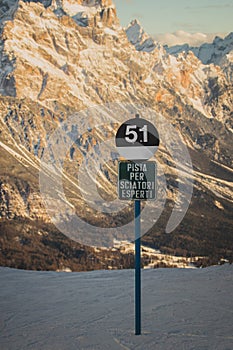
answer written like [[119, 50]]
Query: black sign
[[137, 139]]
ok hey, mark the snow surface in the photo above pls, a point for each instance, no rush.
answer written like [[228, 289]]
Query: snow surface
[[110, 31], [181, 310], [72, 8]]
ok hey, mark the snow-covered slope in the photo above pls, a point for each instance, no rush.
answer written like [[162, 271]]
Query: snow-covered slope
[[181, 309]]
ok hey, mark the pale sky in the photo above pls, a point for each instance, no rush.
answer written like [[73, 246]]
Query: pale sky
[[171, 16]]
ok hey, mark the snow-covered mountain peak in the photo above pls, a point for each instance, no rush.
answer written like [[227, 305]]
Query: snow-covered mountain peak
[[223, 42], [137, 36], [84, 12], [49, 39], [88, 12], [208, 53], [73, 7], [134, 31]]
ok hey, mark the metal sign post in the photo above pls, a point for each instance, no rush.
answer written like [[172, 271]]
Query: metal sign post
[[137, 140], [136, 180], [137, 214]]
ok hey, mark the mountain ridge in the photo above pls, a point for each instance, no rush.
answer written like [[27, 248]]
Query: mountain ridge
[[214, 52], [55, 63]]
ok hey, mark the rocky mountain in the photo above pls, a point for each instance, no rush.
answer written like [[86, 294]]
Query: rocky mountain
[[216, 52], [137, 36], [58, 58]]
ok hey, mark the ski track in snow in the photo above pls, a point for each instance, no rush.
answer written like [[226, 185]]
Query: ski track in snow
[[181, 310]]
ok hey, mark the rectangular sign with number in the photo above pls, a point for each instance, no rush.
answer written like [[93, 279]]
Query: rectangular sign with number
[[137, 180]]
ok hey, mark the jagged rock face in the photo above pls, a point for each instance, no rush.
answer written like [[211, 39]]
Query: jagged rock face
[[46, 3], [45, 51], [55, 59], [7, 10], [60, 56], [139, 38], [217, 52], [17, 200]]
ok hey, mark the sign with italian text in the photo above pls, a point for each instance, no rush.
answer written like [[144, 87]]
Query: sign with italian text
[[137, 180]]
